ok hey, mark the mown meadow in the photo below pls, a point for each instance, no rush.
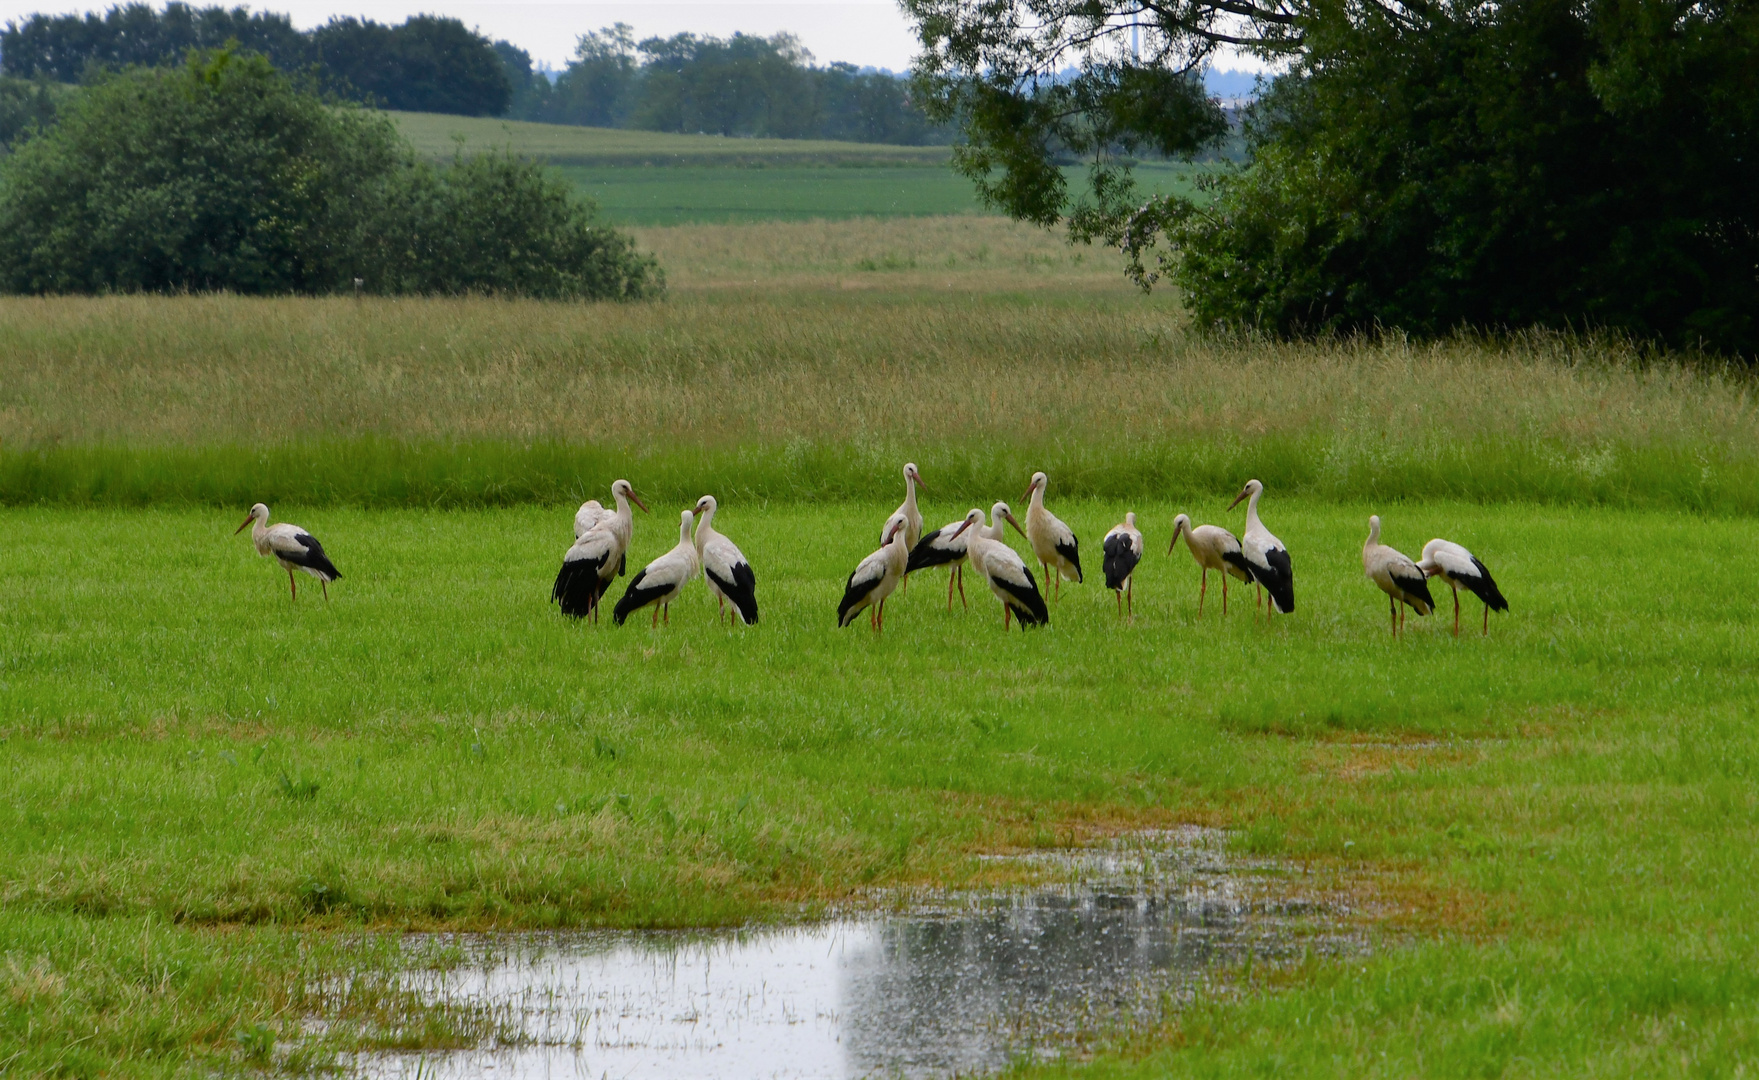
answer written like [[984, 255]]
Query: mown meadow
[[219, 802]]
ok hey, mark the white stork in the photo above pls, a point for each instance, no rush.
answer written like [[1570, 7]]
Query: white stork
[[292, 547], [1267, 560], [876, 576], [660, 582], [1004, 570], [1214, 548], [912, 515], [724, 567], [599, 552], [1396, 575], [1123, 550], [1461, 569], [1052, 541]]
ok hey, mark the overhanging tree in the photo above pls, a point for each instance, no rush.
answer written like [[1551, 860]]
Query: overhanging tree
[[1421, 165]]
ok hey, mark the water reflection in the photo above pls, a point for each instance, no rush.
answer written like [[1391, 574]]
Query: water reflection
[[963, 986]]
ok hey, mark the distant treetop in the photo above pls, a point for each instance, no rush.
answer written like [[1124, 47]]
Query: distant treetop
[[428, 64]]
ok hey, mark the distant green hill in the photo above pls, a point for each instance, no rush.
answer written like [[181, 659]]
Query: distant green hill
[[651, 178]]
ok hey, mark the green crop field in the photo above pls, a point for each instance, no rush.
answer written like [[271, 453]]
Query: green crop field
[[222, 807], [651, 178]]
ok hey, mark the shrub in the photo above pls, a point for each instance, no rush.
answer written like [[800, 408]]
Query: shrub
[[223, 174]]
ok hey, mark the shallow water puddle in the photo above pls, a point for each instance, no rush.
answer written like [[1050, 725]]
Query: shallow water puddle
[[954, 984]]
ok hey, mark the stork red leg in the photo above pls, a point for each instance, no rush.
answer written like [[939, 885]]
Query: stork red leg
[[1224, 594], [1204, 588], [656, 622], [1007, 613], [291, 586], [1392, 611], [952, 571], [963, 603], [324, 584], [1486, 620], [1130, 589], [1456, 589]]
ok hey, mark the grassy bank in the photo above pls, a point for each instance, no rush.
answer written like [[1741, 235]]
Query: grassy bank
[[434, 747], [824, 391]]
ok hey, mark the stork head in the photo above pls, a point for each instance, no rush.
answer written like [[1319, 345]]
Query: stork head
[[1252, 488], [705, 505], [1130, 518], [894, 529], [1000, 512], [1181, 524], [623, 488], [685, 519], [257, 511], [1039, 480], [1373, 528], [973, 519], [914, 477]]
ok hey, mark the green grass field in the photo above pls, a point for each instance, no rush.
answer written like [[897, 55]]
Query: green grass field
[[220, 808], [1561, 812], [651, 178]]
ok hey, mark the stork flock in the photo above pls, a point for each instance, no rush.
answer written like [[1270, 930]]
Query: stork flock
[[601, 544]]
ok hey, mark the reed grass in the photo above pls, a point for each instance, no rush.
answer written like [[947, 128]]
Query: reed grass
[[783, 369]]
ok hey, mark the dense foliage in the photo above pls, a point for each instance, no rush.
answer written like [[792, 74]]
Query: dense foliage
[[742, 85], [427, 64], [223, 175], [25, 106], [1421, 166]]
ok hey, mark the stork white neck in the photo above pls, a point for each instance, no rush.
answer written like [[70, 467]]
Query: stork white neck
[[909, 490], [705, 528], [259, 530], [1373, 532], [1252, 522]]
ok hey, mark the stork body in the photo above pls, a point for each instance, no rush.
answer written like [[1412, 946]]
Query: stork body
[[1123, 550], [1053, 542], [1003, 570], [591, 514], [292, 547], [1396, 575], [1462, 570], [1267, 560], [1213, 548], [660, 582], [724, 567], [598, 554], [877, 576]]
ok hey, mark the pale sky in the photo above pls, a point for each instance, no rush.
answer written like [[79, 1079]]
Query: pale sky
[[862, 32]]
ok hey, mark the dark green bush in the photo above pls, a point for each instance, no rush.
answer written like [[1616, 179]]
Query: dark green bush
[[1545, 163], [223, 174]]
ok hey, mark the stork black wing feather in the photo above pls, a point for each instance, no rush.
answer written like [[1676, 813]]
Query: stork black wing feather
[[1279, 580], [1485, 587], [1072, 552], [742, 590], [1120, 561], [1417, 588], [1237, 560], [925, 554], [313, 558], [853, 594], [1028, 602], [577, 586], [637, 596]]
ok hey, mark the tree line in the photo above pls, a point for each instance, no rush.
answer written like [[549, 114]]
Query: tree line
[[427, 64], [744, 85], [739, 86]]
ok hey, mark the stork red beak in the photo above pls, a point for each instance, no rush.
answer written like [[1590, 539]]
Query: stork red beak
[[1027, 494], [1174, 542], [963, 525], [1237, 499], [1016, 524], [241, 528], [636, 499]]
